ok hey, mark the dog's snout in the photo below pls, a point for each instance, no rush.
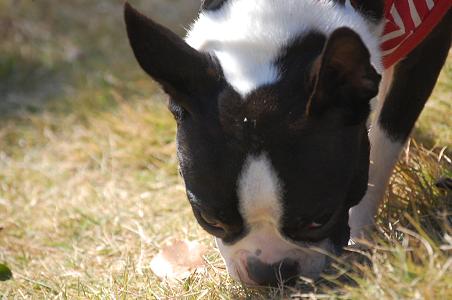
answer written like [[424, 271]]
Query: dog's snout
[[282, 272]]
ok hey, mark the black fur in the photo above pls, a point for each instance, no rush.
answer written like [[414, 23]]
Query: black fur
[[372, 9], [212, 5]]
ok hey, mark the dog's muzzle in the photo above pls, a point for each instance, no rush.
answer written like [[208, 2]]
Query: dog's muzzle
[[264, 257], [284, 271]]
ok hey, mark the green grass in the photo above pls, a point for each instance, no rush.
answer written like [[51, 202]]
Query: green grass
[[89, 189]]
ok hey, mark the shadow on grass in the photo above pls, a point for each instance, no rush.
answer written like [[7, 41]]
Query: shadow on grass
[[27, 84], [65, 58]]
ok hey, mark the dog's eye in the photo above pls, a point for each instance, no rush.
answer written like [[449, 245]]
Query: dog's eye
[[211, 221]]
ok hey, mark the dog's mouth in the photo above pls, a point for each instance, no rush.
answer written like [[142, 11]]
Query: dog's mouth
[[253, 272], [275, 261]]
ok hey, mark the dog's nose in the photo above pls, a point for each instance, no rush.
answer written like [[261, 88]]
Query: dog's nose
[[282, 272]]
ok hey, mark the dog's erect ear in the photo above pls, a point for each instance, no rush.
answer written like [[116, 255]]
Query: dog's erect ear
[[184, 73], [343, 75]]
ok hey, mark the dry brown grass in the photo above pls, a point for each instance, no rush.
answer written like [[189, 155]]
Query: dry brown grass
[[89, 189]]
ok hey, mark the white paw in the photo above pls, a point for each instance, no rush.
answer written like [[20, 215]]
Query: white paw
[[362, 216]]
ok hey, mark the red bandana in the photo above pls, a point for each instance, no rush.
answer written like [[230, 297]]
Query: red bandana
[[408, 22]]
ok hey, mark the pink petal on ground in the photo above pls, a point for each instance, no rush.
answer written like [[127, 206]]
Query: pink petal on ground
[[178, 259]]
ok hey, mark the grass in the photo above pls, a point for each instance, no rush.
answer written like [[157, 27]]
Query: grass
[[89, 189]]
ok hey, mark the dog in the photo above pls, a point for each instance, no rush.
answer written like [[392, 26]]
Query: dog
[[272, 100]]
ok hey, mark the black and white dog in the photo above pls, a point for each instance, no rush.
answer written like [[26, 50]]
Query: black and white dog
[[271, 100]]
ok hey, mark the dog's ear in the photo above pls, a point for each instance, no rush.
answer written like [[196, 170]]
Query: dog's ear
[[343, 76], [184, 73]]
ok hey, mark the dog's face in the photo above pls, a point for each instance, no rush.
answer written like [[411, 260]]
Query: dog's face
[[271, 174]]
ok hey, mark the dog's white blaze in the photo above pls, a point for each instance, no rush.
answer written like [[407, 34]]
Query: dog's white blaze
[[259, 191], [248, 36]]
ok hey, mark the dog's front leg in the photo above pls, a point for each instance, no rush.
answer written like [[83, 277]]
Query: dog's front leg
[[383, 156], [384, 153], [403, 93]]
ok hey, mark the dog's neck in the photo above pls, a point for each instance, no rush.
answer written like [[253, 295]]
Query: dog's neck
[[248, 37]]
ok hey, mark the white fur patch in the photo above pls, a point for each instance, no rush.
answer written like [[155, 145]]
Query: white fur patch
[[247, 36], [259, 191]]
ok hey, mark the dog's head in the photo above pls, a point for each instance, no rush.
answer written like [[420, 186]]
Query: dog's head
[[271, 171]]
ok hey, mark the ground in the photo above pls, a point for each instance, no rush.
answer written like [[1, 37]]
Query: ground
[[89, 189]]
